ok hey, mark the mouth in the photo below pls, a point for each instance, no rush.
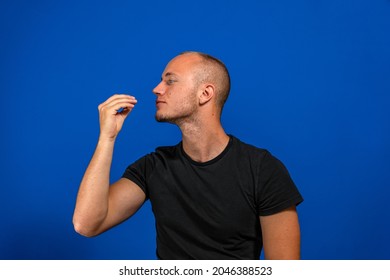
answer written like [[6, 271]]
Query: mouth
[[159, 102]]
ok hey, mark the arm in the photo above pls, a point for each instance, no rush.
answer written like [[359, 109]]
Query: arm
[[281, 235], [99, 206]]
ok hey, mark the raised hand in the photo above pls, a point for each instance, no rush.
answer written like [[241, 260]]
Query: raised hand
[[112, 114]]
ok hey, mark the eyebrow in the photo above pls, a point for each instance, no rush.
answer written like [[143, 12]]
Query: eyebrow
[[168, 74]]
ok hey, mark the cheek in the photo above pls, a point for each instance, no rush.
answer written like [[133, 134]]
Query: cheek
[[189, 100], [182, 96]]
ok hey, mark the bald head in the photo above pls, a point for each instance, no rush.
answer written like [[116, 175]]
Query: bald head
[[212, 70]]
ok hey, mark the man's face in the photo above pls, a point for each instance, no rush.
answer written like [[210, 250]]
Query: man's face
[[177, 92]]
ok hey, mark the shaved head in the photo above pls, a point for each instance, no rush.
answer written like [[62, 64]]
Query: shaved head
[[212, 70]]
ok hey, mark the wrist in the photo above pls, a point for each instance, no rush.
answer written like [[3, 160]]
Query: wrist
[[103, 140]]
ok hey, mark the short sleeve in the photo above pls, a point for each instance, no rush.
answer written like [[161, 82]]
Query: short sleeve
[[139, 171], [276, 189]]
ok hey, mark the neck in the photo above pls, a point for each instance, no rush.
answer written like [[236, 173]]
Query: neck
[[203, 141]]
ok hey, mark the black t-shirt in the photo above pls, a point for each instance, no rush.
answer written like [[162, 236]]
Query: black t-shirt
[[211, 210]]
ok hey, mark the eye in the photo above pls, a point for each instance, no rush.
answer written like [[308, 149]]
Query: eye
[[170, 81]]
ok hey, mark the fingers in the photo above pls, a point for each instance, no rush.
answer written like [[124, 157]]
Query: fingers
[[117, 96], [116, 102], [111, 120]]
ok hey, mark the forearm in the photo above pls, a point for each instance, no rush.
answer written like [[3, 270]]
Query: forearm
[[92, 199]]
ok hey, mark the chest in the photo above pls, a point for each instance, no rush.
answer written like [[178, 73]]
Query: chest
[[220, 199]]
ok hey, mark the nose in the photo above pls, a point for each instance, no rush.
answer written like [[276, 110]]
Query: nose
[[159, 89]]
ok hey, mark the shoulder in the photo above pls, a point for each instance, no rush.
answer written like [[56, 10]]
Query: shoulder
[[160, 154], [259, 158], [249, 150], [167, 151], [147, 165]]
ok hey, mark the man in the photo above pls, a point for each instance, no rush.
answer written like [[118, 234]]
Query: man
[[213, 196]]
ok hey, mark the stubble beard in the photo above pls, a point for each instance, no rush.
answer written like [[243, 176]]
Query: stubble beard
[[184, 113], [177, 118]]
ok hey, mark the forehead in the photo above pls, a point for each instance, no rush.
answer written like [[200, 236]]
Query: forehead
[[182, 64]]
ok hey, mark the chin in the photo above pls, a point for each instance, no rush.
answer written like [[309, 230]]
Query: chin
[[162, 118], [174, 119]]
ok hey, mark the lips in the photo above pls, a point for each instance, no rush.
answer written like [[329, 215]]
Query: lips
[[159, 102]]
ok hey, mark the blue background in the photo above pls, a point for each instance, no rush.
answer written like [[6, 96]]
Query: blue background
[[310, 82]]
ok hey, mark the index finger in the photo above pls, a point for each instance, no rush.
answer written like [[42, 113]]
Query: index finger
[[117, 96]]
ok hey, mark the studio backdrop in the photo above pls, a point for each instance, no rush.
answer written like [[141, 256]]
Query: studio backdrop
[[310, 83]]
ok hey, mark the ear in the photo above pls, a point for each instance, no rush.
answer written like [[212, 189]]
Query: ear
[[207, 94]]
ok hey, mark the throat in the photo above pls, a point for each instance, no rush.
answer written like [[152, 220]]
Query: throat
[[205, 147]]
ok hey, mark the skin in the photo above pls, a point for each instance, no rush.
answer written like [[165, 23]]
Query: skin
[[181, 100]]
